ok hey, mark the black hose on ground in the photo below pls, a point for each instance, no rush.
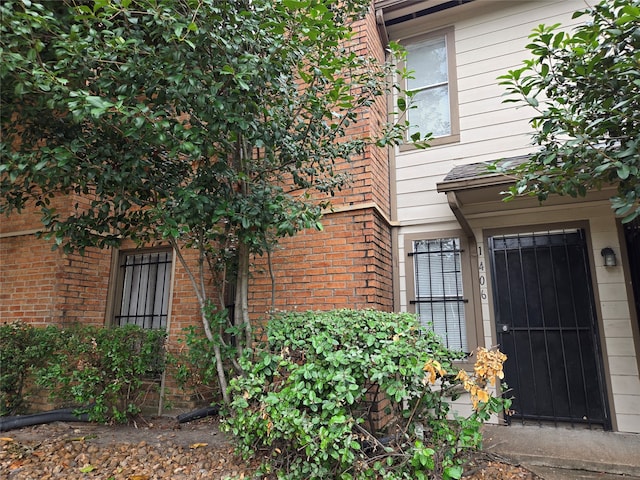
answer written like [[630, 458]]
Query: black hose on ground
[[60, 415], [197, 414]]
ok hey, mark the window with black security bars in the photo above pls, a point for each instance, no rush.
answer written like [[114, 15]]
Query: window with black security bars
[[438, 289], [145, 284]]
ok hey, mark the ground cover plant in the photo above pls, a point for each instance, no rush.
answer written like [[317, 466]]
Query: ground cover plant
[[105, 372], [104, 369], [311, 390], [22, 348]]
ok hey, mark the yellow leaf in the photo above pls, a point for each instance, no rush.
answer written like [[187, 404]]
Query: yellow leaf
[[6, 439], [139, 477], [198, 445], [483, 395], [87, 468]]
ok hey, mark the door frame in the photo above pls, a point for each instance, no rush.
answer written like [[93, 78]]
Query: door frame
[[601, 344]]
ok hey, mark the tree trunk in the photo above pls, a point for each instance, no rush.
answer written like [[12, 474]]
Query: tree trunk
[[199, 288], [241, 314]]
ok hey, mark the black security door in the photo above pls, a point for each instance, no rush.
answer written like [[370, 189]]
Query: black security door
[[632, 236], [546, 325]]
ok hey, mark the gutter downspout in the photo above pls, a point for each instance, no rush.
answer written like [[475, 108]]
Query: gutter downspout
[[382, 29]]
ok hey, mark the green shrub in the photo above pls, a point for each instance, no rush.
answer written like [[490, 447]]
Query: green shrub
[[308, 392], [104, 369], [22, 347], [195, 365]]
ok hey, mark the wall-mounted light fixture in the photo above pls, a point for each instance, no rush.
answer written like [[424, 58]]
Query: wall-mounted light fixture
[[609, 257]]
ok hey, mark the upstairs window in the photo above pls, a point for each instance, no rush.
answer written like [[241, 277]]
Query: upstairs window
[[438, 297], [431, 58], [143, 287]]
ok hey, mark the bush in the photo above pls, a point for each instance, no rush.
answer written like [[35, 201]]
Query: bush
[[104, 369], [195, 365], [308, 394], [22, 347]]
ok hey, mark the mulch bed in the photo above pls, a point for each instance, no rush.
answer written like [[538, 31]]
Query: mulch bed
[[154, 449]]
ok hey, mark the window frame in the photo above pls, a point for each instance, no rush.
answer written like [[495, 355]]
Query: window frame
[[452, 82], [470, 320], [117, 278]]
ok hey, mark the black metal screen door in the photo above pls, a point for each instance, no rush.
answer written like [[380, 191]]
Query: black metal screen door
[[632, 236], [546, 325]]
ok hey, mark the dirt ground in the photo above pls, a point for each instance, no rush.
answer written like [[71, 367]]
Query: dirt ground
[[154, 448]]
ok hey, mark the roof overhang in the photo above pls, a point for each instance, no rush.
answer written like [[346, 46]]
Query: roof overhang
[[474, 189], [398, 11], [479, 175], [395, 12]]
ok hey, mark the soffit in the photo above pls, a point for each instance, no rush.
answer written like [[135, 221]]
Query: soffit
[[401, 19], [396, 11]]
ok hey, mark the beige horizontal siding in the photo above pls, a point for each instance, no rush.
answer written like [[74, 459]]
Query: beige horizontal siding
[[490, 40]]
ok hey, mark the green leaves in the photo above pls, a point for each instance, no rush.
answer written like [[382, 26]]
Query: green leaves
[[100, 368], [309, 391], [138, 101], [23, 348], [588, 122], [215, 126]]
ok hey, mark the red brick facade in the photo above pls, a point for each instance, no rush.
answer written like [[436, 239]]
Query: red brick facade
[[41, 286], [347, 265]]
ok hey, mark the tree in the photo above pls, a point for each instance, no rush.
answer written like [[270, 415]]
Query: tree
[[585, 86], [214, 126]]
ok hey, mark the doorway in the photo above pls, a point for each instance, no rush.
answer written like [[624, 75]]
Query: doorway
[[632, 237], [547, 326]]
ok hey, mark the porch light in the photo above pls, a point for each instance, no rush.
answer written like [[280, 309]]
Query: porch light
[[609, 257]]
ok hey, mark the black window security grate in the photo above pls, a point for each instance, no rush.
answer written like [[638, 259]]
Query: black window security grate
[[145, 290], [438, 289]]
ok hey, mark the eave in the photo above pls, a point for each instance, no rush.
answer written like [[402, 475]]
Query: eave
[[477, 175]]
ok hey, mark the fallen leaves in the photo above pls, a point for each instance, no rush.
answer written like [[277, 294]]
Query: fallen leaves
[[45, 453], [197, 445], [88, 468], [16, 464]]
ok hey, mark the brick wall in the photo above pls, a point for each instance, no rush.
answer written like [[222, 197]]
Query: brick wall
[[28, 280], [41, 286], [347, 265], [83, 283]]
